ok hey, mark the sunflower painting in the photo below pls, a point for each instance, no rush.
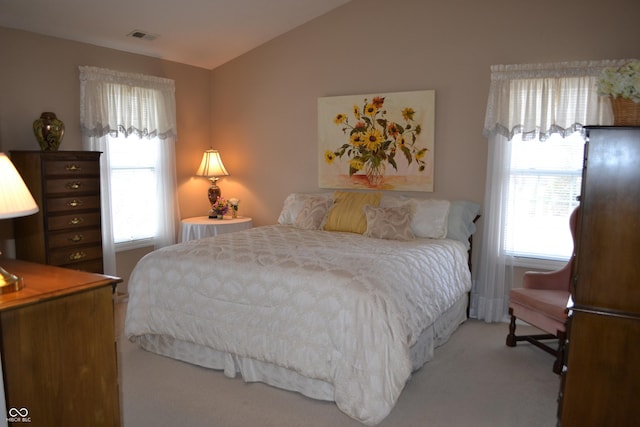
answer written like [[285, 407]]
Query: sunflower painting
[[377, 141]]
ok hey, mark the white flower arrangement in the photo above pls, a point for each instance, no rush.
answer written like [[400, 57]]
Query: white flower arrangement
[[623, 82]]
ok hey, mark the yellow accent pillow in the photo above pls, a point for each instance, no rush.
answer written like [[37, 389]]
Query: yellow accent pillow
[[347, 213]]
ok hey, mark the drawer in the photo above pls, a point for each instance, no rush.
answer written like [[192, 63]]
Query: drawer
[[71, 167], [92, 266], [75, 255], [70, 239], [72, 185], [72, 221], [61, 204]]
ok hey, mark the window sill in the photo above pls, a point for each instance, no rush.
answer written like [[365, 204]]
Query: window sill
[[538, 263], [134, 244]]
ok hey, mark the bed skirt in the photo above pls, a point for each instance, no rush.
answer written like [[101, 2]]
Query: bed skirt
[[253, 370]]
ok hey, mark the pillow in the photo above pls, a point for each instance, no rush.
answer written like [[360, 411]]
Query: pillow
[[430, 218], [313, 212], [392, 201], [460, 225], [389, 223], [293, 204], [347, 212]]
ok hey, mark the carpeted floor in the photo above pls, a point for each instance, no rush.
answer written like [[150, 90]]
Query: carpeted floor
[[474, 380]]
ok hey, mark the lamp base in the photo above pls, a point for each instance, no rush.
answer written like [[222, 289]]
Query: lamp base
[[9, 282], [213, 194]]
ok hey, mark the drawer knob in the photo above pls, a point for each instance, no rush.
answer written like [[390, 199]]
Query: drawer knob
[[75, 220], [74, 185], [73, 167], [74, 203], [76, 238], [77, 256]]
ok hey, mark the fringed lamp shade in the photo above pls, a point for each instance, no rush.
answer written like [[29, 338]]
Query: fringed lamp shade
[[15, 201], [212, 168]]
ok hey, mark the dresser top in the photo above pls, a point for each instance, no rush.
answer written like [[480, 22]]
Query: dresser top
[[43, 282]]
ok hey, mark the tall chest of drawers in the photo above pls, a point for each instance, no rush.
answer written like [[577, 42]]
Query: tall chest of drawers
[[67, 230]]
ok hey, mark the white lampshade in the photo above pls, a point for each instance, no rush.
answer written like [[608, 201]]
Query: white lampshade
[[15, 201], [15, 198], [211, 165]]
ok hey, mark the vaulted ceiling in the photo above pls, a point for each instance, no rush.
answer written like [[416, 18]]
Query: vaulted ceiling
[[203, 33]]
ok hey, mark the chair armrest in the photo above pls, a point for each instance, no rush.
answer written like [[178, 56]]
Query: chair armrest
[[559, 280]]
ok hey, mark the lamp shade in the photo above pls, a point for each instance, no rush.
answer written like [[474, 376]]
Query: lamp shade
[[211, 165], [15, 198]]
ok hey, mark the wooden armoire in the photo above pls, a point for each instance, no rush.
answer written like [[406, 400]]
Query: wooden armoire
[[601, 378]]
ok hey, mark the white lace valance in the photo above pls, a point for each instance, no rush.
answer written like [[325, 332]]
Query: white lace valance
[[540, 99], [112, 102]]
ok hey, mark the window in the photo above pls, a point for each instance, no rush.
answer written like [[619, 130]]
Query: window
[[532, 185], [131, 119], [134, 203], [544, 183]]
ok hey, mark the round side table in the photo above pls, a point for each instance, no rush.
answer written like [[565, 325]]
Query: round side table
[[203, 226]]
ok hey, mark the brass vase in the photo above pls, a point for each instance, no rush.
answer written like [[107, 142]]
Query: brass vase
[[49, 131]]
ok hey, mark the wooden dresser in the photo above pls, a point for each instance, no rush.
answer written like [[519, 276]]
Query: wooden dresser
[[59, 357], [67, 229], [601, 380]]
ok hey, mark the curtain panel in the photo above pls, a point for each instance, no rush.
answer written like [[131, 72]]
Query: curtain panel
[[113, 102], [535, 100]]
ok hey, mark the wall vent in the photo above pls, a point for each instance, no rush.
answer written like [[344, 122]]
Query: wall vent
[[139, 34]]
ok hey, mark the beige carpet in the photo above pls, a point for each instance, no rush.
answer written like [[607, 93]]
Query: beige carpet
[[474, 380]]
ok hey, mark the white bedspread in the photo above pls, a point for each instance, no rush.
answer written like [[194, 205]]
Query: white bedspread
[[339, 307]]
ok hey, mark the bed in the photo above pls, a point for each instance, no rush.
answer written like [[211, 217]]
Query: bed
[[316, 303]]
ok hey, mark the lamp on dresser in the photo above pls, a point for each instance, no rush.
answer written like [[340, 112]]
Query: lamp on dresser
[[211, 167], [15, 201]]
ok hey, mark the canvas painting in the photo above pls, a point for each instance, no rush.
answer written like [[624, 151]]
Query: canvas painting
[[380, 141]]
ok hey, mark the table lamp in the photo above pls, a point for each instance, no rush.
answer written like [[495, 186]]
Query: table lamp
[[15, 201], [211, 167]]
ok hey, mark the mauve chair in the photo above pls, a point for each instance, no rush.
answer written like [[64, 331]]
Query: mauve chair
[[542, 302]]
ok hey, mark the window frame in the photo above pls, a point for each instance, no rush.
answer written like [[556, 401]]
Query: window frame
[[519, 257]]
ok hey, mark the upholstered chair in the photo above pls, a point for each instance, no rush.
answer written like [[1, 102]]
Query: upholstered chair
[[542, 302]]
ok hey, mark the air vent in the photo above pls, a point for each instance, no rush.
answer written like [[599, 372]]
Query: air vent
[[139, 34]]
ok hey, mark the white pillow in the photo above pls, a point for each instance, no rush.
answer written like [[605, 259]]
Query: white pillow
[[430, 218], [293, 204], [460, 225], [313, 212]]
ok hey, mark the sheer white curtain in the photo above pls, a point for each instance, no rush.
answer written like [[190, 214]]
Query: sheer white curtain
[[535, 100], [113, 102]]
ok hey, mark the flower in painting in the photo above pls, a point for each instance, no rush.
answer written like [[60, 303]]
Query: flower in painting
[[329, 156], [408, 113], [355, 165], [371, 110], [339, 119], [357, 139], [375, 139]]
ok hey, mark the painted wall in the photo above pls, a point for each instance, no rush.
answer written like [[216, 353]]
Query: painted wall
[[259, 110], [263, 114], [39, 73]]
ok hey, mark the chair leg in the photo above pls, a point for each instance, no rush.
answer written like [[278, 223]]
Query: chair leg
[[557, 365], [511, 337]]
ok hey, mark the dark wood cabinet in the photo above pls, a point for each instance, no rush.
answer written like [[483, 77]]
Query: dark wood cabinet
[[67, 230], [601, 379]]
